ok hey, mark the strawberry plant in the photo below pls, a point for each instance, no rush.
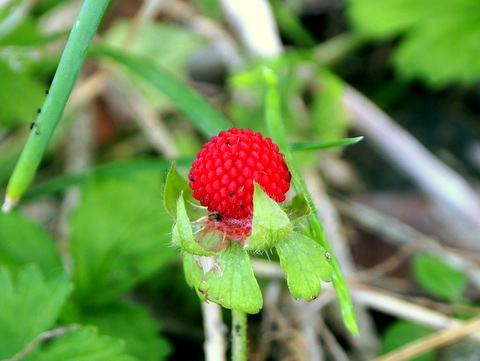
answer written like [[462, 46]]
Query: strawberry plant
[[243, 196]]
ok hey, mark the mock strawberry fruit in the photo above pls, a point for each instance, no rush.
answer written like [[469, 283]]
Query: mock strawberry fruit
[[223, 175]]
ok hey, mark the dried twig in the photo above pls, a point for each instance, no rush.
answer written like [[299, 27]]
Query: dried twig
[[395, 306], [452, 195], [215, 345], [222, 41], [332, 345], [128, 101], [215, 330], [311, 326], [400, 234], [431, 342], [254, 23]]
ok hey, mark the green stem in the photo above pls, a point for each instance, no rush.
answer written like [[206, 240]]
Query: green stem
[[239, 336], [279, 135], [69, 66]]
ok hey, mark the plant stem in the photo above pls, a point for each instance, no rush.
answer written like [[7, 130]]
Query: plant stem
[[278, 134], [67, 72], [239, 336]]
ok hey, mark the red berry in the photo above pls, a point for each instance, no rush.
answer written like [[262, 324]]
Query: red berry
[[223, 175]]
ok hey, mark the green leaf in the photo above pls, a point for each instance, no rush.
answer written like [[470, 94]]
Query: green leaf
[[173, 54], [23, 242], [231, 282], [305, 263], [401, 333], [270, 223], [133, 324], [182, 234], [325, 144], [21, 95], [199, 111], [439, 278], [113, 169], [427, 51], [30, 305], [71, 61], [433, 31], [10, 150], [382, 19], [193, 273], [120, 235], [83, 344]]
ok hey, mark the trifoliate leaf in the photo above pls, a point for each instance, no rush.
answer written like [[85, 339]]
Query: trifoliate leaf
[[83, 344], [193, 273], [120, 234], [432, 31], [231, 282], [182, 234], [30, 305], [305, 263], [442, 49], [270, 223]]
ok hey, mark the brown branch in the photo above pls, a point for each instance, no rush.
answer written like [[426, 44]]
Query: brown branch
[[457, 203]]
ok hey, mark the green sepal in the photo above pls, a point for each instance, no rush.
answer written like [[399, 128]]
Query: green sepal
[[175, 184], [270, 223], [193, 273], [305, 263], [182, 234], [231, 282]]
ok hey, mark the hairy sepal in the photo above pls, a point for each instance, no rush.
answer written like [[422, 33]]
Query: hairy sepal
[[270, 224], [182, 234]]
